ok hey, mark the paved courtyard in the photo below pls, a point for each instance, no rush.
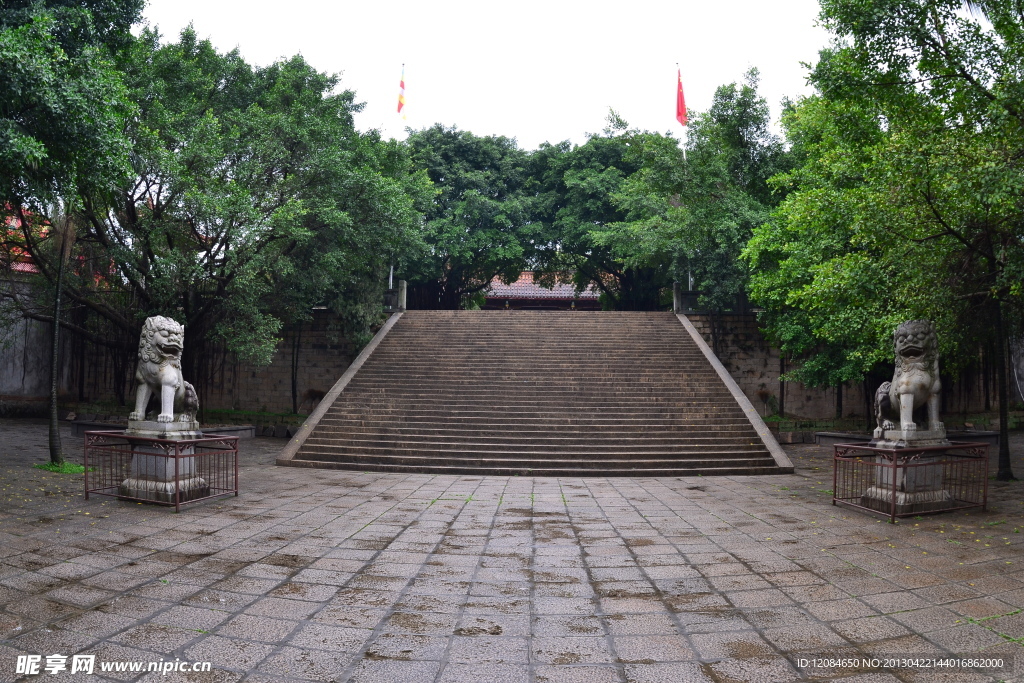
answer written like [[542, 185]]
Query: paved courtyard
[[345, 576]]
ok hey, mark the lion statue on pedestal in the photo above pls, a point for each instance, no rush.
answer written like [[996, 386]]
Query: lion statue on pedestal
[[915, 382], [159, 373]]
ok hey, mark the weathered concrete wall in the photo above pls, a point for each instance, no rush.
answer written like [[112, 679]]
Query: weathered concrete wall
[[25, 349], [322, 358], [25, 368], [93, 374], [99, 375], [754, 364]]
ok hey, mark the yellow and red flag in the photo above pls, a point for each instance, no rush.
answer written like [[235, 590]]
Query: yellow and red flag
[[680, 102], [401, 93]]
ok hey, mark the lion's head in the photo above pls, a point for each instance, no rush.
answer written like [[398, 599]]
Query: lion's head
[[162, 341], [915, 344]]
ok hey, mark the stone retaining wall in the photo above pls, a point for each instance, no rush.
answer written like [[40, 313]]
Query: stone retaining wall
[[322, 358], [92, 375], [754, 364]]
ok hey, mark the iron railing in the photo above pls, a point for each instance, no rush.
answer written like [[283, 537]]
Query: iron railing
[[161, 471], [909, 481]]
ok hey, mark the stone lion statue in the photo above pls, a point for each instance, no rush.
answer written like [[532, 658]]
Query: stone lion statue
[[159, 372], [914, 383]]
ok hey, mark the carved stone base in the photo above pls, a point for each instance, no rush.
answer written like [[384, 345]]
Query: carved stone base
[[163, 491], [897, 438], [152, 473], [164, 430], [907, 502]]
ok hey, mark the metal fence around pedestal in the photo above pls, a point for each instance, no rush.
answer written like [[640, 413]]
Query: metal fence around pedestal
[[909, 481], [161, 471]]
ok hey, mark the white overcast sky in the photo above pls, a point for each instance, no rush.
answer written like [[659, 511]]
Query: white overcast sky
[[535, 70]]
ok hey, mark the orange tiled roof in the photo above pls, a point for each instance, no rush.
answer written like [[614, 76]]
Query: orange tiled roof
[[526, 288], [24, 267]]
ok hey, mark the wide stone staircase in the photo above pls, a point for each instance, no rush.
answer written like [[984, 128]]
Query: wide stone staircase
[[535, 393]]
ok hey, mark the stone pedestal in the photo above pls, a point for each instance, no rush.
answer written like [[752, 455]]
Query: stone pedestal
[[164, 430], [151, 475], [897, 438], [917, 489]]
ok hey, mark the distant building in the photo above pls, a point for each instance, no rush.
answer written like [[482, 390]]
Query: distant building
[[525, 294]]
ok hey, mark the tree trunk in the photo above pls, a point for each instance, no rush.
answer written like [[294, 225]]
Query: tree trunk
[[839, 401], [56, 450], [869, 412], [782, 384], [985, 355], [295, 369], [1005, 472]]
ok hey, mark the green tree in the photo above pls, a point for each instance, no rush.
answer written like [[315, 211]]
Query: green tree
[[62, 110], [913, 165], [732, 154], [583, 219], [62, 102], [250, 195], [477, 226], [692, 218]]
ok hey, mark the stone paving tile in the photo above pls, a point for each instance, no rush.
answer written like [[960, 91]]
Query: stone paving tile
[[456, 672], [257, 628], [498, 578], [766, 669], [385, 671], [578, 674], [309, 665], [731, 645]]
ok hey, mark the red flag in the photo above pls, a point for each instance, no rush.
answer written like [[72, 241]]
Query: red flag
[[680, 102], [401, 92]]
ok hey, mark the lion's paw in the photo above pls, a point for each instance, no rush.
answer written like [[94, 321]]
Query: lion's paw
[[937, 426], [164, 417], [136, 416], [888, 426], [909, 427]]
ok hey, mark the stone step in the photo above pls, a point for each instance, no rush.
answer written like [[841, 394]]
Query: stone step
[[541, 417], [514, 442], [603, 368], [522, 458], [552, 379], [539, 468], [533, 396], [638, 429], [581, 394]]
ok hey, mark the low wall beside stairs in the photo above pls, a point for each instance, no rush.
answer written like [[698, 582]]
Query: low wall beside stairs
[[754, 364]]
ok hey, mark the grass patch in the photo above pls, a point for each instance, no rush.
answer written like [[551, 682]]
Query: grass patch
[[63, 468]]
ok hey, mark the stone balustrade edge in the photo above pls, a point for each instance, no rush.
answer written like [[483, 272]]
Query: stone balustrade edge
[[781, 459], [295, 443]]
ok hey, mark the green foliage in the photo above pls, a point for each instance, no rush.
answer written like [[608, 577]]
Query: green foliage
[[908, 203], [673, 219], [80, 26], [731, 155], [824, 301], [478, 223], [584, 214], [66, 467], [249, 199], [62, 103]]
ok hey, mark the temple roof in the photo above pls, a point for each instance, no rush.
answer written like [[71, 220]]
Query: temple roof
[[526, 288]]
